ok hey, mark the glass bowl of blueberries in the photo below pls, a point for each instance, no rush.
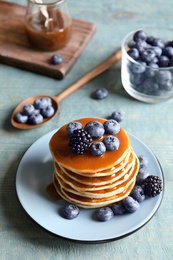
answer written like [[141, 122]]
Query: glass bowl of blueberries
[[147, 64]]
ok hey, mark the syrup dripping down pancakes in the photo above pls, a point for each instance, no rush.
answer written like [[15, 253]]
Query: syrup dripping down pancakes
[[93, 181]]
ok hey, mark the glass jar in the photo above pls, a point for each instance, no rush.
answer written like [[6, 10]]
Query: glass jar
[[48, 24]]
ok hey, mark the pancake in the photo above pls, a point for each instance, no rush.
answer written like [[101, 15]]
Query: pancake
[[93, 181]]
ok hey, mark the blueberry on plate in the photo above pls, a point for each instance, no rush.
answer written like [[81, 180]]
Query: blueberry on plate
[[73, 126], [100, 93], [142, 175], [47, 111], [70, 211], [131, 204], [118, 116], [118, 208], [104, 214], [28, 110], [111, 142], [111, 126], [21, 118], [97, 148], [143, 161], [41, 103], [138, 193], [35, 119], [56, 59], [95, 129]]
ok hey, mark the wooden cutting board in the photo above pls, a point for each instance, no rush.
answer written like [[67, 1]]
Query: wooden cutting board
[[16, 51]]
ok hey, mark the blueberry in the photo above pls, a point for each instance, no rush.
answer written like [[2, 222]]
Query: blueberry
[[95, 129], [151, 71], [171, 62], [137, 68], [47, 111], [143, 161], [163, 77], [73, 126], [41, 103], [163, 61], [70, 211], [97, 148], [142, 175], [140, 34], [111, 142], [28, 110], [141, 45], [118, 116], [111, 126], [149, 86], [168, 51], [100, 93], [118, 208], [35, 119], [131, 44], [133, 53], [157, 50], [138, 193], [136, 79], [131, 204], [168, 86], [150, 39], [104, 214], [56, 59], [148, 55], [21, 118], [158, 42]]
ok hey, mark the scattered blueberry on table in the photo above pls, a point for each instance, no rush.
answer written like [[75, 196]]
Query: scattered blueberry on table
[[118, 115], [34, 114], [100, 93]]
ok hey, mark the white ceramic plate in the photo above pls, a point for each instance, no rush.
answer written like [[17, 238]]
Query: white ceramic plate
[[34, 174]]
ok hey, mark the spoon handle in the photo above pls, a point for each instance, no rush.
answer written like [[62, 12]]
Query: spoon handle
[[104, 65]]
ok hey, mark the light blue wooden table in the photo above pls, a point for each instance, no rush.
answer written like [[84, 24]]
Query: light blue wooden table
[[20, 237]]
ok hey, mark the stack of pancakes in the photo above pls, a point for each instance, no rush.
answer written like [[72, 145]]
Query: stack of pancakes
[[89, 181]]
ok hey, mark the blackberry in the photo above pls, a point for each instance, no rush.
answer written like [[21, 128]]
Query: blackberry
[[152, 186], [80, 141]]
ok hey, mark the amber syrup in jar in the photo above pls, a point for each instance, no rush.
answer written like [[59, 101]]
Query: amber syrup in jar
[[48, 24]]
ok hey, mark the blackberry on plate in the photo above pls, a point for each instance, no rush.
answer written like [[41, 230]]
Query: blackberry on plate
[[80, 141], [152, 186]]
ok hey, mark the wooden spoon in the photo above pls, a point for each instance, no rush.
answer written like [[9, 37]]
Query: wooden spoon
[[104, 65]]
